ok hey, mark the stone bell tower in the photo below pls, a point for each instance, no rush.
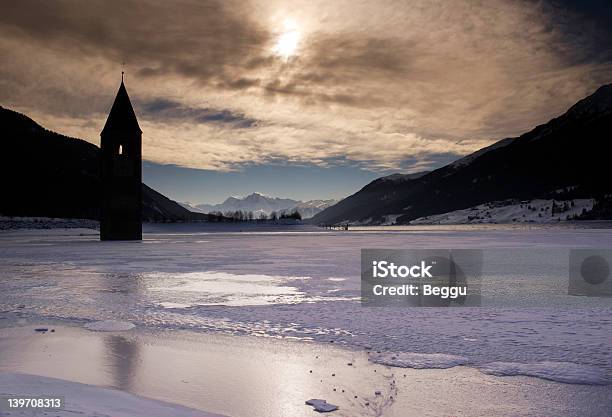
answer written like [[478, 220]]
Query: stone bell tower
[[121, 172]]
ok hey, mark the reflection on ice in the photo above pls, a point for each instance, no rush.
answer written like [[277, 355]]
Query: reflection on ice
[[220, 288], [167, 304]]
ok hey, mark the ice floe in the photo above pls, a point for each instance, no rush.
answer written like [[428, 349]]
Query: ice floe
[[167, 304], [417, 360], [566, 372], [109, 326], [321, 406]]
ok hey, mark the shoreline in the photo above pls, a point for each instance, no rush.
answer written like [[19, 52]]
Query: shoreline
[[255, 376], [88, 226]]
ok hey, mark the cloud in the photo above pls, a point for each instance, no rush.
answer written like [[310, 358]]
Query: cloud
[[164, 110], [191, 38], [384, 85]]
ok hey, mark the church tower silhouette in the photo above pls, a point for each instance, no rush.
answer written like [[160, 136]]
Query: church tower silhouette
[[121, 172]]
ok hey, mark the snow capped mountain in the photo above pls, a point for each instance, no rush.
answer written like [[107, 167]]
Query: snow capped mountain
[[261, 204], [251, 202], [309, 208]]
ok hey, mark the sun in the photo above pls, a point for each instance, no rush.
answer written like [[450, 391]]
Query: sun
[[288, 41]]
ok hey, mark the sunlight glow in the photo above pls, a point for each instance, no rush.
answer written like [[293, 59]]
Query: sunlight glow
[[288, 41]]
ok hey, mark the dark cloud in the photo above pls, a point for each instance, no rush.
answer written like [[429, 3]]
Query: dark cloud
[[239, 83], [200, 39], [361, 54], [341, 69], [164, 110]]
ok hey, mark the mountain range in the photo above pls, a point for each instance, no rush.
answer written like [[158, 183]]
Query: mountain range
[[566, 159], [46, 174], [262, 204]]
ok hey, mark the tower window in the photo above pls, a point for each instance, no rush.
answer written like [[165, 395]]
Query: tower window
[[120, 149]]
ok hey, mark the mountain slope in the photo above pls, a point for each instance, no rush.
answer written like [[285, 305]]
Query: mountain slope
[[156, 207], [568, 157], [52, 175]]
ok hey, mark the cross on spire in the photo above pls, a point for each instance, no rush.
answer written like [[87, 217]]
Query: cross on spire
[[122, 70]]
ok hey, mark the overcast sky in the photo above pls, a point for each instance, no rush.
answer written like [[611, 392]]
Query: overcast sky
[[302, 99]]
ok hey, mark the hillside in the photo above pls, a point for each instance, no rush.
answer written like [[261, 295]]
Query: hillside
[[48, 174], [566, 158]]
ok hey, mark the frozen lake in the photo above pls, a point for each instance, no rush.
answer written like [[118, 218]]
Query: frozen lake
[[303, 283]]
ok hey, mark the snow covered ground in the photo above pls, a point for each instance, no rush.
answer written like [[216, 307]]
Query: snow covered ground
[[12, 223], [88, 400], [304, 284], [513, 211]]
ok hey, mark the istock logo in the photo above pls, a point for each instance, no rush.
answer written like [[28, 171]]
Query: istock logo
[[384, 269], [420, 277]]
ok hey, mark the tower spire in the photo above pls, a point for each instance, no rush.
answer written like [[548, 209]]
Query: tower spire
[[122, 116]]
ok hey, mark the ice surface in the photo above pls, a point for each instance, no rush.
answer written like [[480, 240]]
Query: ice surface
[[567, 372], [417, 360], [277, 284], [220, 288], [88, 400]]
